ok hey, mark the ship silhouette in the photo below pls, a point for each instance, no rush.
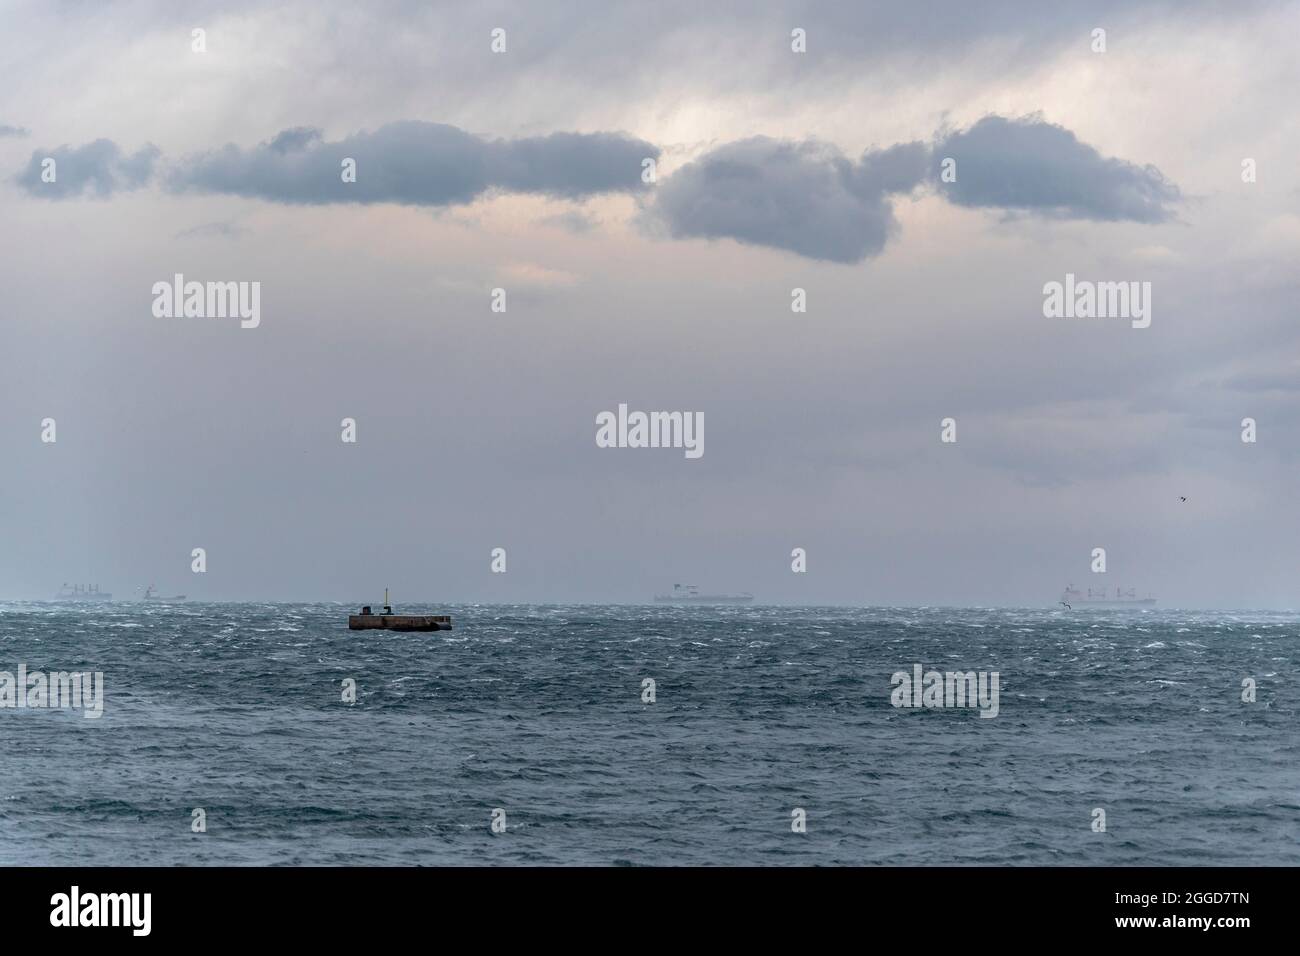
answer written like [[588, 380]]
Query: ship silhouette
[[150, 594], [1100, 597], [690, 594], [81, 592]]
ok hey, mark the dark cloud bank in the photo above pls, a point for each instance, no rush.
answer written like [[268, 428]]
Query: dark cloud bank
[[803, 197], [806, 197], [1038, 167], [416, 163], [812, 200], [410, 163]]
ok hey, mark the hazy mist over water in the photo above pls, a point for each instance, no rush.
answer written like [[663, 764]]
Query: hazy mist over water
[[538, 710]]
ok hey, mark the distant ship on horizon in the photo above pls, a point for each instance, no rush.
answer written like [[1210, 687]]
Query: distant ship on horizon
[[150, 595], [690, 594], [1100, 597], [80, 592]]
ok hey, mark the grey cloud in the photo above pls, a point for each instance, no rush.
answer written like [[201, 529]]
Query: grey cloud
[[570, 164], [1034, 166], [621, 50], [213, 230], [416, 163], [12, 131], [809, 199], [897, 169], [803, 197], [100, 168], [606, 55], [572, 221], [291, 140]]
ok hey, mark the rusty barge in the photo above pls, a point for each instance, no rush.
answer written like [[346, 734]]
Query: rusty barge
[[367, 620]]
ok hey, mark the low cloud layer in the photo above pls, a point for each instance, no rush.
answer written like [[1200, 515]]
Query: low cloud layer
[[1038, 167], [410, 163], [801, 197], [806, 198], [416, 163], [809, 199]]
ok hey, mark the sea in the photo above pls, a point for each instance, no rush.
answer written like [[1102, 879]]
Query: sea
[[270, 734]]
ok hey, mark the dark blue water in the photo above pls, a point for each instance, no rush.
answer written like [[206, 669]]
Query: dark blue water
[[237, 709]]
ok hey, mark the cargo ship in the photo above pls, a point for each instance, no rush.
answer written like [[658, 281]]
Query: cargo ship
[[150, 595], [81, 592], [1100, 597], [690, 594]]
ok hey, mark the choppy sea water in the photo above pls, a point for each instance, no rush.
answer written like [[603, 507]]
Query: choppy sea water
[[237, 709]]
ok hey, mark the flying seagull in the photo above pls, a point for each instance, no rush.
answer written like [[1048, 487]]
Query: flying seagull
[[1067, 607], [1182, 497]]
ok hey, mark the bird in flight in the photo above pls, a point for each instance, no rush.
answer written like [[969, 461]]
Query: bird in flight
[[1067, 607], [1182, 497]]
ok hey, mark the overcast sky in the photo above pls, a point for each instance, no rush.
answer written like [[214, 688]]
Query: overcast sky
[[776, 170]]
